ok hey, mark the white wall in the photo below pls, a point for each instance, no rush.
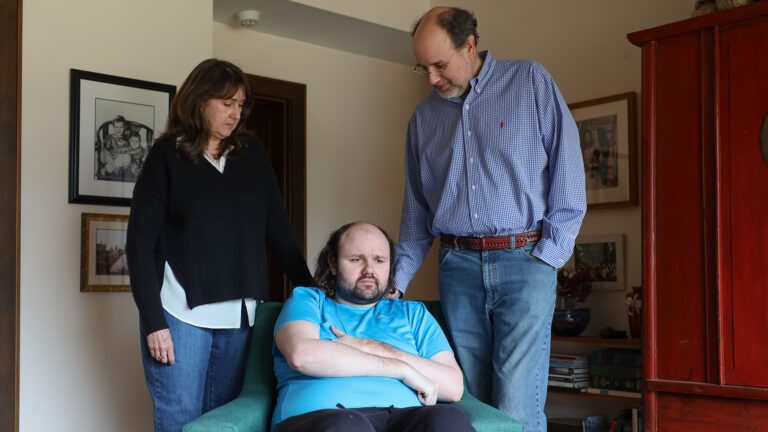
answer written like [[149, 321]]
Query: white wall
[[80, 365], [357, 114]]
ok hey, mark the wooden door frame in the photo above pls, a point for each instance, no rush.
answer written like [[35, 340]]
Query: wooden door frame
[[294, 95], [10, 199]]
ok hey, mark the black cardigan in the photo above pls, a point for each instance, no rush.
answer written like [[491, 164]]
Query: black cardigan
[[211, 227]]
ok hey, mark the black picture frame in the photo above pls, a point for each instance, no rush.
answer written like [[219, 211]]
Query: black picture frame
[[113, 123]]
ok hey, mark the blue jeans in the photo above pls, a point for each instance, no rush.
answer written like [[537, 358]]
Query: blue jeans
[[208, 372], [498, 307]]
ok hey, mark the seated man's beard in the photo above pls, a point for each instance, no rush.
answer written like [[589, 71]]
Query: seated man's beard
[[356, 295]]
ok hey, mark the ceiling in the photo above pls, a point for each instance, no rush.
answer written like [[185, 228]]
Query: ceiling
[[305, 23]]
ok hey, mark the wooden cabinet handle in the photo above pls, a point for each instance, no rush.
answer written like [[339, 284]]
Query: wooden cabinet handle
[[764, 140]]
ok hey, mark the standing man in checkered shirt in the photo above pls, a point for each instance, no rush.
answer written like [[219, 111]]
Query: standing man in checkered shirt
[[493, 167]]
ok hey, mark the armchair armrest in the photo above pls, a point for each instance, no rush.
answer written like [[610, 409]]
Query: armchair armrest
[[246, 413], [485, 418]]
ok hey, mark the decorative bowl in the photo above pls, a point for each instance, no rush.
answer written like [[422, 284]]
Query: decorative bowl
[[570, 322]]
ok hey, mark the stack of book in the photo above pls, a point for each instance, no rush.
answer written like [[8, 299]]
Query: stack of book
[[569, 372], [616, 371]]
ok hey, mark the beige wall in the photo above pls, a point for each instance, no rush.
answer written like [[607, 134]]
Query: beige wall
[[357, 113], [80, 364], [399, 14]]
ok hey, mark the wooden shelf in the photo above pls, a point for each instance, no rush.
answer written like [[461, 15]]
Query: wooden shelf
[[598, 340], [554, 390]]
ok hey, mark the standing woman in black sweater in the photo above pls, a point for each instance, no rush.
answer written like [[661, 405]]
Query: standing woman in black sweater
[[205, 207]]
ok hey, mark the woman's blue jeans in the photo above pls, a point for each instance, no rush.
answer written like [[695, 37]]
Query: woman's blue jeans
[[498, 307], [208, 372]]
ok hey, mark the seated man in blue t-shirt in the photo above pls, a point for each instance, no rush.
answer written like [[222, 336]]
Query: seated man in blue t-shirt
[[348, 359]]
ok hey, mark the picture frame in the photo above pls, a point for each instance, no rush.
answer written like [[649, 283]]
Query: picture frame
[[103, 262], [610, 156], [113, 123], [605, 253]]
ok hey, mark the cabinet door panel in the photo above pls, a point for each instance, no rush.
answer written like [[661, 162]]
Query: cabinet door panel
[[744, 66], [680, 187]]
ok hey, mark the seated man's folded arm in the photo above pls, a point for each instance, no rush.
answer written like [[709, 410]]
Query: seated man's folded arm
[[305, 352], [441, 368]]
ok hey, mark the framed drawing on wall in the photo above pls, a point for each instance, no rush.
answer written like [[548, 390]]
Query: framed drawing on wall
[[605, 254], [103, 262], [113, 122], [608, 132]]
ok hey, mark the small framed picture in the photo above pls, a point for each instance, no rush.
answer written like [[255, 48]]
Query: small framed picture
[[608, 130], [103, 263], [113, 123], [605, 254]]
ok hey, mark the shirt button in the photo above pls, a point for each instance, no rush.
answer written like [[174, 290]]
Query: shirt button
[[471, 160], [466, 106], [473, 187], [475, 215], [469, 132]]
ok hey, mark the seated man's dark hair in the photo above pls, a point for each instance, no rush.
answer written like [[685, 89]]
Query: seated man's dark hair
[[326, 280]]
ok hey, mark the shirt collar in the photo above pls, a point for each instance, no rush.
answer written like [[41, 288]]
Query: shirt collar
[[478, 82]]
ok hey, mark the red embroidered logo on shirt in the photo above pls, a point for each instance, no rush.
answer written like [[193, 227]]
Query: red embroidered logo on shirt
[[502, 124]]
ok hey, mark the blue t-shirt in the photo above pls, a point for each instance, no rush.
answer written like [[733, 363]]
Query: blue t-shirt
[[406, 325]]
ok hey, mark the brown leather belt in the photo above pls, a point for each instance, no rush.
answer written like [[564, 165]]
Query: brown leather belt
[[491, 243]]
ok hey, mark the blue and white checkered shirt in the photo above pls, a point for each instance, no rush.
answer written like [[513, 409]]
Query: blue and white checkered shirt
[[503, 160]]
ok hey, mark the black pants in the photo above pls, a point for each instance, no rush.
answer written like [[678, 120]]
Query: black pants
[[439, 417]]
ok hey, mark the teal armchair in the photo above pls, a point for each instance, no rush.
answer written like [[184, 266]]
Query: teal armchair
[[252, 410]]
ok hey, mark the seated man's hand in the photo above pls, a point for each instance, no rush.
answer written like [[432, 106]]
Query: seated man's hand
[[370, 346], [425, 388]]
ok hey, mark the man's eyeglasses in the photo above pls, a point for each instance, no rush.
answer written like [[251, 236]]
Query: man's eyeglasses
[[437, 68]]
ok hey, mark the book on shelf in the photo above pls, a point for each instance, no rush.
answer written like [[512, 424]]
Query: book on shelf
[[615, 371], [573, 377], [594, 423], [617, 383], [618, 356], [634, 420], [567, 370], [619, 393], [568, 361], [567, 358], [569, 385]]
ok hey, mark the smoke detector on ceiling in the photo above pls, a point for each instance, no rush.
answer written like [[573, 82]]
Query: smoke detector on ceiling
[[248, 18]]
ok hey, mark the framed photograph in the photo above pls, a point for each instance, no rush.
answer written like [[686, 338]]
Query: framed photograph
[[605, 253], [113, 123], [608, 134], [103, 263]]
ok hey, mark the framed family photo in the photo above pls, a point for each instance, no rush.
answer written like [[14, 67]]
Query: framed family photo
[[608, 133], [605, 254], [113, 123], [103, 262]]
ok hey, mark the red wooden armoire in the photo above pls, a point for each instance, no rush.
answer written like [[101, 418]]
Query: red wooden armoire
[[705, 221]]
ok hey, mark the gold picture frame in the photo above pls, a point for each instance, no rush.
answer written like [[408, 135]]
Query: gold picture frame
[[608, 134], [103, 262]]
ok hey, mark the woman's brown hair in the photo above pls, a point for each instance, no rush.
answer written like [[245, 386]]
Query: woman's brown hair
[[211, 79]]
